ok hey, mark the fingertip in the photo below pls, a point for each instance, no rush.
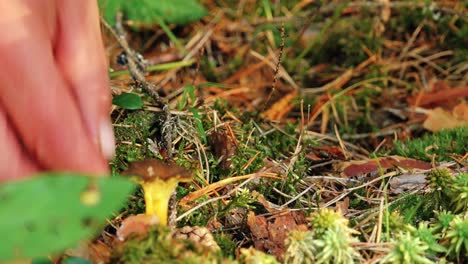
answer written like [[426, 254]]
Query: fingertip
[[106, 139]]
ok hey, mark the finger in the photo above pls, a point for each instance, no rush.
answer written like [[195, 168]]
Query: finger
[[80, 54], [38, 102], [14, 162]]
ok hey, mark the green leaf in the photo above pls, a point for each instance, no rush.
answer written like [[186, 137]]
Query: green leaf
[[147, 11], [128, 101], [49, 213]]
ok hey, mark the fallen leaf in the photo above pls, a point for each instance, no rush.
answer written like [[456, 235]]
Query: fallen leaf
[[258, 225], [270, 236], [439, 118], [359, 168], [439, 93], [224, 147]]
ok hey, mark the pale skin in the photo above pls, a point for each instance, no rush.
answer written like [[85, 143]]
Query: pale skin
[[54, 95]]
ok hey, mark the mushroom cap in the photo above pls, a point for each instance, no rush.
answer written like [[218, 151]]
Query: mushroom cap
[[151, 169]]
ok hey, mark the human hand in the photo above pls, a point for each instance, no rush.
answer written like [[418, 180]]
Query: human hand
[[54, 96]]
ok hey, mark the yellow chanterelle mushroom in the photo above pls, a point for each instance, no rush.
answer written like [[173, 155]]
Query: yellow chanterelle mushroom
[[158, 180]]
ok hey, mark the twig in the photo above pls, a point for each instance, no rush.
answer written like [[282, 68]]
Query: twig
[[136, 68], [278, 63]]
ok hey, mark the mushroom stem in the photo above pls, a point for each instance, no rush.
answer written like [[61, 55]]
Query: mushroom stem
[[157, 194]]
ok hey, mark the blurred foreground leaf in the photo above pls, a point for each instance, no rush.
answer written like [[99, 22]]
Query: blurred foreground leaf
[[46, 214], [148, 11]]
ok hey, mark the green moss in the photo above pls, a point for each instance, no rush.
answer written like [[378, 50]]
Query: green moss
[[343, 42], [441, 145], [227, 244], [160, 247], [414, 208], [131, 135]]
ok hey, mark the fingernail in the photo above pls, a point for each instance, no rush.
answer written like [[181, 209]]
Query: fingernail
[[106, 140]]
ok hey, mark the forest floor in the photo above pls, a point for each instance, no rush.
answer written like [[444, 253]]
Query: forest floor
[[314, 133]]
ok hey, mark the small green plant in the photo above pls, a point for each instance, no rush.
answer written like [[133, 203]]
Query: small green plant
[[457, 237], [443, 220], [253, 256], [458, 192], [329, 241], [300, 248], [325, 219], [407, 249], [428, 236], [335, 246]]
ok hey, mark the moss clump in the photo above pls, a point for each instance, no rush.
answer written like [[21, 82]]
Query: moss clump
[[131, 135], [440, 179], [226, 243], [160, 247], [136, 126], [439, 145], [413, 208]]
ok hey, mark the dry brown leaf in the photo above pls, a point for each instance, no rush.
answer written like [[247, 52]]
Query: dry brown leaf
[[359, 168], [439, 93], [439, 118], [224, 147], [270, 236]]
